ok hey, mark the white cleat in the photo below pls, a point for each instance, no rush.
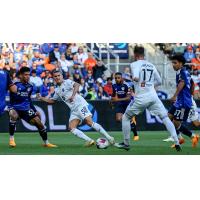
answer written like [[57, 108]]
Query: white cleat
[[169, 139]]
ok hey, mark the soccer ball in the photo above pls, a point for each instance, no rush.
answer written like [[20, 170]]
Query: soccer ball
[[102, 143]]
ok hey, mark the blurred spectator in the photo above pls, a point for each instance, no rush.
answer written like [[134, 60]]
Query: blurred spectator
[[90, 80], [74, 48], [68, 54], [81, 55], [102, 94], [126, 75], [178, 48], [189, 54], [77, 77], [91, 95], [83, 89], [36, 80], [90, 62], [196, 78], [108, 87], [47, 89], [39, 61], [98, 70], [54, 55], [64, 64], [196, 61]]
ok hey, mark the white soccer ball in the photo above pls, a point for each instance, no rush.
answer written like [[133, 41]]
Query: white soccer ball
[[102, 143]]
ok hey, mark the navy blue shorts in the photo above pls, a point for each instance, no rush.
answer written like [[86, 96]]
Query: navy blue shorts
[[26, 115], [180, 114], [120, 108]]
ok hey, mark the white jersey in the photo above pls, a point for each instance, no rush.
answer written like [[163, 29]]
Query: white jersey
[[147, 75], [65, 91]]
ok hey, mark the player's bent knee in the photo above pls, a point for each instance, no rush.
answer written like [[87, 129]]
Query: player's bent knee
[[88, 121]]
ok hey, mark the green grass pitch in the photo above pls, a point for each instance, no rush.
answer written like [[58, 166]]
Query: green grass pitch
[[150, 143]]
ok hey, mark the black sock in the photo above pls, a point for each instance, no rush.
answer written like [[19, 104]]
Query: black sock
[[12, 127], [133, 128], [43, 134], [185, 131]]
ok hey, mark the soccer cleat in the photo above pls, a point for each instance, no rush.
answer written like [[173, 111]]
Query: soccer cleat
[[178, 147], [136, 138], [169, 139], [122, 146], [12, 143], [195, 140], [90, 143], [111, 140], [181, 141], [49, 145]]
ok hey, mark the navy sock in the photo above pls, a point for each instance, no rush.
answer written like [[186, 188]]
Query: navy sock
[[185, 131], [133, 128], [12, 127]]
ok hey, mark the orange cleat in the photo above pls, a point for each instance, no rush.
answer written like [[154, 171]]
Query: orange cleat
[[49, 145], [12, 143], [136, 138], [181, 141], [195, 140]]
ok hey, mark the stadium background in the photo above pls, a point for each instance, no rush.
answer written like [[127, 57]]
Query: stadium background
[[93, 66]]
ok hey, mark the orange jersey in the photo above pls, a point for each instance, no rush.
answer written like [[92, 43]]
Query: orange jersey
[[90, 63]]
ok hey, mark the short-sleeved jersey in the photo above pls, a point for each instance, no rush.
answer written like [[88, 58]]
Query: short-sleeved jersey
[[22, 99], [147, 74], [65, 91], [5, 83], [184, 98], [121, 90]]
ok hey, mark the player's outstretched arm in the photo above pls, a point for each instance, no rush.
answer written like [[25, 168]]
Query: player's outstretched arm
[[47, 100]]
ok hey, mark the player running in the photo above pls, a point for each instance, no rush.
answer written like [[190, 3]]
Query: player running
[[121, 98], [5, 85], [182, 99], [67, 91], [21, 107], [146, 77]]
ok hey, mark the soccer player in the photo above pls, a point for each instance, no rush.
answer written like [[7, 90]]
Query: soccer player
[[5, 85], [21, 107], [67, 91], [121, 98], [146, 77], [182, 99]]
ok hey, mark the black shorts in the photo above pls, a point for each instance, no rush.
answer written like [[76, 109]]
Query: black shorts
[[120, 108], [180, 114], [26, 115]]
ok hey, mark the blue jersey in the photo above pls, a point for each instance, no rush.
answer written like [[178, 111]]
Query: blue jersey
[[121, 90], [22, 99], [184, 98], [5, 83]]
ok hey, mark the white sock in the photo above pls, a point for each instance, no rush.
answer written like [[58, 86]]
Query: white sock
[[80, 134], [100, 129], [12, 137], [46, 142], [171, 129], [126, 129]]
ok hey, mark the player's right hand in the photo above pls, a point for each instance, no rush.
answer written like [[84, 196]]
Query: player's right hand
[[38, 96]]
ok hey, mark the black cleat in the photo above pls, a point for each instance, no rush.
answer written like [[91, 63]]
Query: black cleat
[[122, 146], [178, 147]]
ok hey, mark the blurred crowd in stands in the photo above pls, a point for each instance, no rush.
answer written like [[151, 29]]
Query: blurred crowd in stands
[[73, 59], [191, 52]]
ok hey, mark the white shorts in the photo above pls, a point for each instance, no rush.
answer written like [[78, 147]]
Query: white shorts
[[152, 103], [193, 115], [80, 113]]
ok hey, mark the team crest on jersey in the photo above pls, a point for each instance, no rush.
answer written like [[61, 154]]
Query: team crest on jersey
[[29, 89], [123, 88]]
